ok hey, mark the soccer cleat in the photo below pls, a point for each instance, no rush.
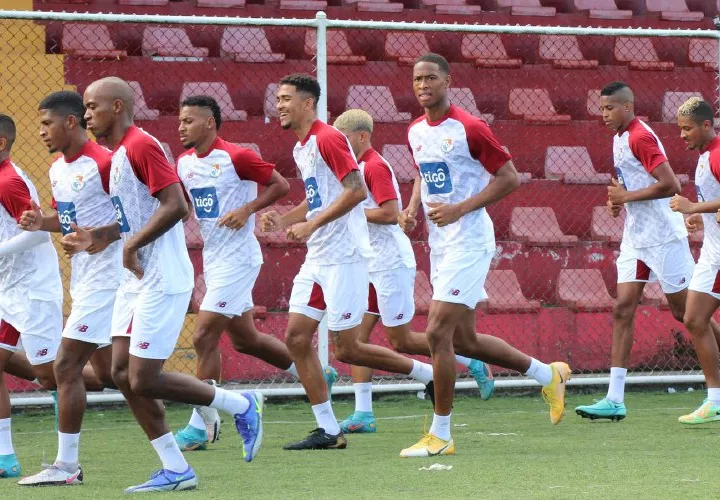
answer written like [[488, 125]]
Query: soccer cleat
[[211, 417], [53, 476], [331, 376], [167, 480], [318, 439], [249, 425], [603, 409], [191, 439], [554, 392], [429, 446], [359, 422], [430, 392], [708, 412], [9, 466], [484, 378]]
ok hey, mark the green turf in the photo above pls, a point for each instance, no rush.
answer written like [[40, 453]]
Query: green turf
[[506, 448]]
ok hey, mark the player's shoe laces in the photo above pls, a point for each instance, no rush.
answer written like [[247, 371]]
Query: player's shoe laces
[[211, 417], [249, 425], [554, 392], [359, 422], [429, 446], [318, 439], [603, 409], [167, 480], [53, 476], [191, 439], [9, 466], [708, 412], [484, 378], [331, 376]]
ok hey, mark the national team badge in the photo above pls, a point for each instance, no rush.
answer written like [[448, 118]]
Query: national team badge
[[116, 174], [215, 171], [701, 167], [447, 146], [78, 183]]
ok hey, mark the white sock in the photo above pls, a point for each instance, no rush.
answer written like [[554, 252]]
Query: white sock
[[363, 397], [421, 372], [6, 447], [441, 427], [169, 453], [714, 395], [292, 371], [229, 402], [196, 421], [463, 360], [616, 390], [326, 418], [541, 372], [68, 447]]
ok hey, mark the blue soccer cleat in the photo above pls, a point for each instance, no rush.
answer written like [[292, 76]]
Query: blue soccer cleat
[[9, 466], [167, 480], [483, 376], [331, 376], [359, 422], [191, 439], [603, 409], [249, 425]]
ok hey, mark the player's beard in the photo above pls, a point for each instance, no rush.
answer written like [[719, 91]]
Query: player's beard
[[188, 145]]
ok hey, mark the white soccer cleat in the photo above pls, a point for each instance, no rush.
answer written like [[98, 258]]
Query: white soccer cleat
[[53, 476], [211, 417]]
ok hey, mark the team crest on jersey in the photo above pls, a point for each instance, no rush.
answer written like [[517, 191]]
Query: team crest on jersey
[[215, 170], [116, 175], [447, 146], [77, 183], [701, 167]]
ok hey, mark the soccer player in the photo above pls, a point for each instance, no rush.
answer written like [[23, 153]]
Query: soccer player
[[391, 270], [695, 119], [456, 154], [155, 290], [334, 276], [654, 245]]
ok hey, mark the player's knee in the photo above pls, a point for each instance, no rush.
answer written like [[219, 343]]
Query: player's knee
[[47, 381], [398, 342], [623, 313], [693, 324], [120, 378], [204, 339], [66, 370], [439, 339], [140, 384], [296, 341]]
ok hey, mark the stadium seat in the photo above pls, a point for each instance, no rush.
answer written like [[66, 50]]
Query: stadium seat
[[219, 91], [572, 165], [505, 295], [452, 7], [674, 10], [422, 293], [535, 105], [406, 47], [248, 44], [153, 3], [704, 51], [221, 4], [377, 5], [463, 97], [251, 146], [401, 160], [538, 226], [526, 8], [653, 295], [672, 101], [303, 4], [564, 52], [376, 100], [603, 9], [640, 53], [90, 41], [487, 51], [142, 111], [338, 48], [583, 290], [170, 42], [605, 227], [193, 237], [278, 238], [270, 101], [593, 102], [168, 152]]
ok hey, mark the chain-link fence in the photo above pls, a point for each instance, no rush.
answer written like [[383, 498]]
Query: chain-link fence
[[553, 279]]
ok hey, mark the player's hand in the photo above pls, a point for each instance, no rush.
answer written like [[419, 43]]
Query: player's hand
[[300, 231], [131, 261], [681, 204], [613, 210], [443, 214], [694, 223], [31, 220], [235, 219], [407, 221], [271, 221], [77, 241], [616, 192]]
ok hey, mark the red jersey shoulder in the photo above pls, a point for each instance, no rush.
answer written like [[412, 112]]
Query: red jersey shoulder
[[14, 191]]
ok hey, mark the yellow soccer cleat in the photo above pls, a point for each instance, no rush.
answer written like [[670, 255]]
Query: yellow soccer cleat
[[429, 446], [554, 392]]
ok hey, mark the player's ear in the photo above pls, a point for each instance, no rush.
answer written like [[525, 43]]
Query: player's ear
[[3, 143], [71, 121], [448, 81]]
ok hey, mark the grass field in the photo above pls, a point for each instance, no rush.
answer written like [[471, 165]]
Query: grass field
[[506, 448]]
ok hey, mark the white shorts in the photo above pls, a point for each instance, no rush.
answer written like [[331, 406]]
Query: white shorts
[[706, 279], [459, 277], [154, 320], [91, 319], [341, 289], [233, 299], [391, 295], [35, 328], [671, 264]]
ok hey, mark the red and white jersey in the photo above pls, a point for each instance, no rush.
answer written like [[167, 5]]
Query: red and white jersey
[[217, 182], [707, 182], [456, 157], [637, 151], [324, 158], [81, 194], [139, 170], [34, 273], [392, 247]]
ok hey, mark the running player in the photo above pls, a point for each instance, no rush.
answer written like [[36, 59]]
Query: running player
[[155, 290], [456, 154], [654, 245]]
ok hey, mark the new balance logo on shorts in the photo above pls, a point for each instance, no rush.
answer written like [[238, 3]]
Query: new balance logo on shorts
[[82, 328], [347, 316], [221, 304], [41, 353], [399, 316], [455, 292], [143, 345], [682, 281]]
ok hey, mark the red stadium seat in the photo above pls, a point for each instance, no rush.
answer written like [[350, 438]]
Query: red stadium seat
[[222, 4], [605, 227], [603, 9], [464, 98], [672, 101], [583, 290], [453, 7], [168, 152], [538, 226], [248, 44], [640, 54], [169, 42], [401, 160], [154, 3], [593, 103], [505, 295], [572, 165], [487, 51], [704, 51], [270, 100], [219, 91], [376, 100], [422, 293], [338, 48], [377, 6], [142, 111], [526, 8], [564, 52], [674, 10], [193, 237], [406, 47], [535, 105], [90, 41], [303, 4], [653, 295]]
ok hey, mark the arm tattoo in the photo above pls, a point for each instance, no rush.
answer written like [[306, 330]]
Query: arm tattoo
[[353, 180], [106, 234]]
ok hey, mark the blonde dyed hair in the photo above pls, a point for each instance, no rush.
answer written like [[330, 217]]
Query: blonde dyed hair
[[689, 107], [354, 120]]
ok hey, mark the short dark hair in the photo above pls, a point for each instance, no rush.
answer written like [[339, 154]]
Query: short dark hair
[[65, 103], [7, 129], [431, 57], [613, 87], [205, 101], [304, 83]]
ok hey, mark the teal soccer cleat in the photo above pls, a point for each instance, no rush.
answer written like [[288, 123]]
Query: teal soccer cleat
[[603, 409], [191, 439], [9, 466], [483, 376], [358, 423]]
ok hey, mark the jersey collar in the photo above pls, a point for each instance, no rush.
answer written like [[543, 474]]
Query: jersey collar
[[715, 143], [450, 111], [210, 149]]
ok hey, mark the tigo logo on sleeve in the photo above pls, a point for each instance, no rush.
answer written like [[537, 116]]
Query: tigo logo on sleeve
[[437, 177], [120, 214], [206, 202], [312, 193], [66, 215]]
